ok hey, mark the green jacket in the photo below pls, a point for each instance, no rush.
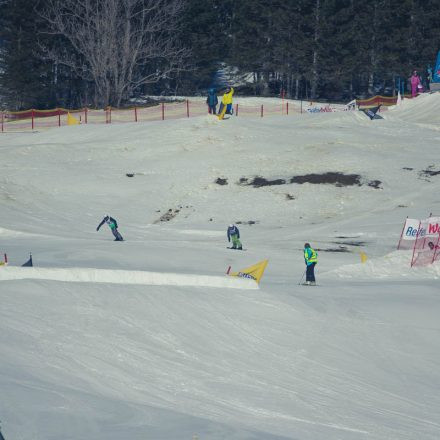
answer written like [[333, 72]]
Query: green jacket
[[310, 256]]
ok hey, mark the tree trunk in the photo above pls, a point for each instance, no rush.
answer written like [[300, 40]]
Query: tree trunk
[[315, 60]]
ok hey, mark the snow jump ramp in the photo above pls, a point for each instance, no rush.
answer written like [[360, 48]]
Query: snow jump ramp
[[90, 275]]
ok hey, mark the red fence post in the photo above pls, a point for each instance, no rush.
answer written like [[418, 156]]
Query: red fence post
[[401, 234], [85, 115], [59, 117], [236, 109], [436, 247], [108, 115], [261, 110], [187, 108], [135, 114], [32, 119], [163, 111], [415, 243]]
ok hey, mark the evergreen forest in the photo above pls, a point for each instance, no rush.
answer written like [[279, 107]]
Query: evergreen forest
[[107, 52]]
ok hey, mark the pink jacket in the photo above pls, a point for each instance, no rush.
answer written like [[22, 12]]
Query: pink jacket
[[415, 81]]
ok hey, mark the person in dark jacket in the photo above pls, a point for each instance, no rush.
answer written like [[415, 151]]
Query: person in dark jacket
[[234, 235], [212, 101], [310, 258], [113, 225]]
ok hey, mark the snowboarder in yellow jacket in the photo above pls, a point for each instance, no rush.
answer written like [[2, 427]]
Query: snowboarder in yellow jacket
[[226, 104]]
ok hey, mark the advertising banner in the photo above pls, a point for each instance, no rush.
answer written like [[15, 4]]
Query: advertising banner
[[436, 73], [409, 233]]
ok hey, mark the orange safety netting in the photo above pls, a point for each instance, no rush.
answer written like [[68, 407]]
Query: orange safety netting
[[376, 100], [35, 119]]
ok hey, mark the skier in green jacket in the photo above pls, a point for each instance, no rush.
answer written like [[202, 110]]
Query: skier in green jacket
[[311, 259]]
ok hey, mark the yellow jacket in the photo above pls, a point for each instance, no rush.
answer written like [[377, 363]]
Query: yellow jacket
[[227, 97]]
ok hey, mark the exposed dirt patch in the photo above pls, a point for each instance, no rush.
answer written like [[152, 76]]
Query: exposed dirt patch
[[258, 182], [351, 243], [290, 197], [337, 179], [221, 181], [429, 172], [407, 168], [330, 178], [339, 249], [171, 213], [249, 222], [375, 184]]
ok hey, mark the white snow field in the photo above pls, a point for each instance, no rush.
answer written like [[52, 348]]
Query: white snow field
[[148, 339]]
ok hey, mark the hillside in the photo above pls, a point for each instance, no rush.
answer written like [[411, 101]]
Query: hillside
[[99, 354]]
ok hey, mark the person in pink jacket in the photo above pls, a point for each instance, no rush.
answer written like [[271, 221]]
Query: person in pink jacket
[[415, 82]]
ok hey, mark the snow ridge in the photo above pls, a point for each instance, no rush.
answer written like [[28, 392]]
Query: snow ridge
[[90, 275]]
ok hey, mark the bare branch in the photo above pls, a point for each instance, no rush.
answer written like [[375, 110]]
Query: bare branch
[[119, 44]]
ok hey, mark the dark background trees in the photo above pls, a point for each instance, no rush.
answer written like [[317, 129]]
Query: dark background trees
[[326, 49]]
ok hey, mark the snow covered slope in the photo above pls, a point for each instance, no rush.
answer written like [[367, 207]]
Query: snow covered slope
[[161, 347]]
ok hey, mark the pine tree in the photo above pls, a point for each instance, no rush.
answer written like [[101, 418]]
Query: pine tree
[[205, 31], [24, 79]]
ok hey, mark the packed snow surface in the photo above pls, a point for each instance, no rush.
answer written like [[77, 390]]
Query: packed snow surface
[[88, 275], [146, 339]]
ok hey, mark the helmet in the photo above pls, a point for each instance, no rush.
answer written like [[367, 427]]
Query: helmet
[[231, 225], [307, 245]]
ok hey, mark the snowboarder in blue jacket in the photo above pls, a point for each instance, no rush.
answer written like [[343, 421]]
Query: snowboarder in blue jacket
[[212, 101], [234, 235], [113, 225]]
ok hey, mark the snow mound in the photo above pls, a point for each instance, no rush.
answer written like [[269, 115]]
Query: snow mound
[[396, 264], [425, 110], [12, 233], [90, 275]]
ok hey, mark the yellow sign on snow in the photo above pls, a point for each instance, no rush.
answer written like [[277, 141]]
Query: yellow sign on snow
[[363, 257], [71, 120], [254, 272]]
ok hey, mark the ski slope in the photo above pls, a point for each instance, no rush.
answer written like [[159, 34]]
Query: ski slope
[[149, 339]]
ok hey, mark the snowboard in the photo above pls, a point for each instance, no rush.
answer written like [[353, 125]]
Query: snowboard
[[235, 249], [118, 237], [222, 111]]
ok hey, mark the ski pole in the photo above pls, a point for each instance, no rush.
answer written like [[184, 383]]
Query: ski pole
[[302, 276]]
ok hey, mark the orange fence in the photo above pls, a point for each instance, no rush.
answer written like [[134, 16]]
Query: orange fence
[[43, 119], [376, 100]]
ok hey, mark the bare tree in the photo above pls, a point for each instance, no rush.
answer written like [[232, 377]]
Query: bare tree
[[118, 44]]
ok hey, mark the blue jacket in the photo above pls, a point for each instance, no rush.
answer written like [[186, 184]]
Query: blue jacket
[[233, 231], [212, 99]]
